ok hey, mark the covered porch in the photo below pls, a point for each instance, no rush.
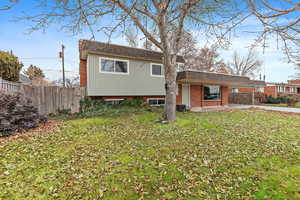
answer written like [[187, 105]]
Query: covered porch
[[205, 89]]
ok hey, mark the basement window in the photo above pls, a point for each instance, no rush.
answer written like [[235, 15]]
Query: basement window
[[109, 65], [156, 101], [113, 101]]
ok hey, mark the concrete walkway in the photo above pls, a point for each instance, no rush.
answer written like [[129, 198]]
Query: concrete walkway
[[273, 108], [219, 108]]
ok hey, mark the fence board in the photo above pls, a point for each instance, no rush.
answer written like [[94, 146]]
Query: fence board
[[51, 99], [245, 98], [9, 86]]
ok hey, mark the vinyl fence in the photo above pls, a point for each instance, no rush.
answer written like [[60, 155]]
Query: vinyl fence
[[8, 85]]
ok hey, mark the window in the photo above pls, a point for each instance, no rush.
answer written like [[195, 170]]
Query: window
[[108, 65], [113, 101], [262, 90], [180, 66], [235, 90], [156, 102], [156, 69], [212, 92]]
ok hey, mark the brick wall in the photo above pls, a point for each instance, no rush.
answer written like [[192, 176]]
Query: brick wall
[[293, 81], [83, 73], [225, 95], [124, 97], [196, 92], [196, 95], [179, 95], [246, 89], [271, 91]]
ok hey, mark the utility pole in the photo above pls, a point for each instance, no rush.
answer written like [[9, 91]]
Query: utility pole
[[62, 56]]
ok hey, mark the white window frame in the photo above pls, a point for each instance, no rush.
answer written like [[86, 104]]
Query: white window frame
[[148, 99], [113, 100], [177, 65], [113, 59], [162, 70], [261, 89]]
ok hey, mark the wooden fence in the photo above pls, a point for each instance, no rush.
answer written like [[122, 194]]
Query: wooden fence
[[48, 99], [246, 98], [8, 85], [51, 99]]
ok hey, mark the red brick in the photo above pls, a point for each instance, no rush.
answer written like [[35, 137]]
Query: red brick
[[83, 73], [196, 95], [179, 95], [293, 81], [271, 91]]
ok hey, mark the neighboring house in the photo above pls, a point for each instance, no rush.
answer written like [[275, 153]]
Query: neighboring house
[[276, 89], [115, 72], [273, 89], [24, 79]]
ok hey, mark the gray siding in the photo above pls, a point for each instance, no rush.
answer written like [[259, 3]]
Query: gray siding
[[138, 82]]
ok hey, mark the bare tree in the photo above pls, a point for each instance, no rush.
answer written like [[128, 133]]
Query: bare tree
[[280, 19], [297, 68], [206, 59], [131, 37], [69, 82], [215, 18], [248, 65], [8, 4]]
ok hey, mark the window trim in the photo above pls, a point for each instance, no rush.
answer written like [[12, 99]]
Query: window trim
[[153, 75], [113, 59], [219, 99], [156, 99], [177, 65]]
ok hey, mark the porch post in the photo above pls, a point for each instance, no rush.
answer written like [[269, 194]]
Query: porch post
[[253, 96]]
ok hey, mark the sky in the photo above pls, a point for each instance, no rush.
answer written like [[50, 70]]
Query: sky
[[41, 48]]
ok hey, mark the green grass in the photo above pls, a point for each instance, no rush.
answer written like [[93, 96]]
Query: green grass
[[243, 154]]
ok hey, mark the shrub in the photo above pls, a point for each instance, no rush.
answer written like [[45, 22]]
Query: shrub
[[292, 100], [17, 114], [271, 100], [98, 107], [276, 100], [136, 101]]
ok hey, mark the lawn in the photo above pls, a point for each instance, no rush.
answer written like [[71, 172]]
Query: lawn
[[244, 154]]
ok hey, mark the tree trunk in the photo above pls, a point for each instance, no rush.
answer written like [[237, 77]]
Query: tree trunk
[[170, 86]]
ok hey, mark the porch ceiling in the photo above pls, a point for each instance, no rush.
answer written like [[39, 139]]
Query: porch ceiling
[[200, 78]]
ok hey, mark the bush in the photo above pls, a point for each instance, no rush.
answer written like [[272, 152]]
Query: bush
[[292, 100], [17, 114], [276, 100], [136, 101], [98, 107]]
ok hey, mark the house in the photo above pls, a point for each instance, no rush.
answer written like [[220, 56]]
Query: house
[[277, 89], [24, 79], [114, 73]]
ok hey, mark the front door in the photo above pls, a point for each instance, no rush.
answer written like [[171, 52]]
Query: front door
[[186, 95]]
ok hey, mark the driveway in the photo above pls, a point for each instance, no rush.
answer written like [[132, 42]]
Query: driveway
[[273, 108]]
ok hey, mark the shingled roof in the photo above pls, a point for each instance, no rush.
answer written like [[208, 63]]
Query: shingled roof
[[198, 77], [106, 49]]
